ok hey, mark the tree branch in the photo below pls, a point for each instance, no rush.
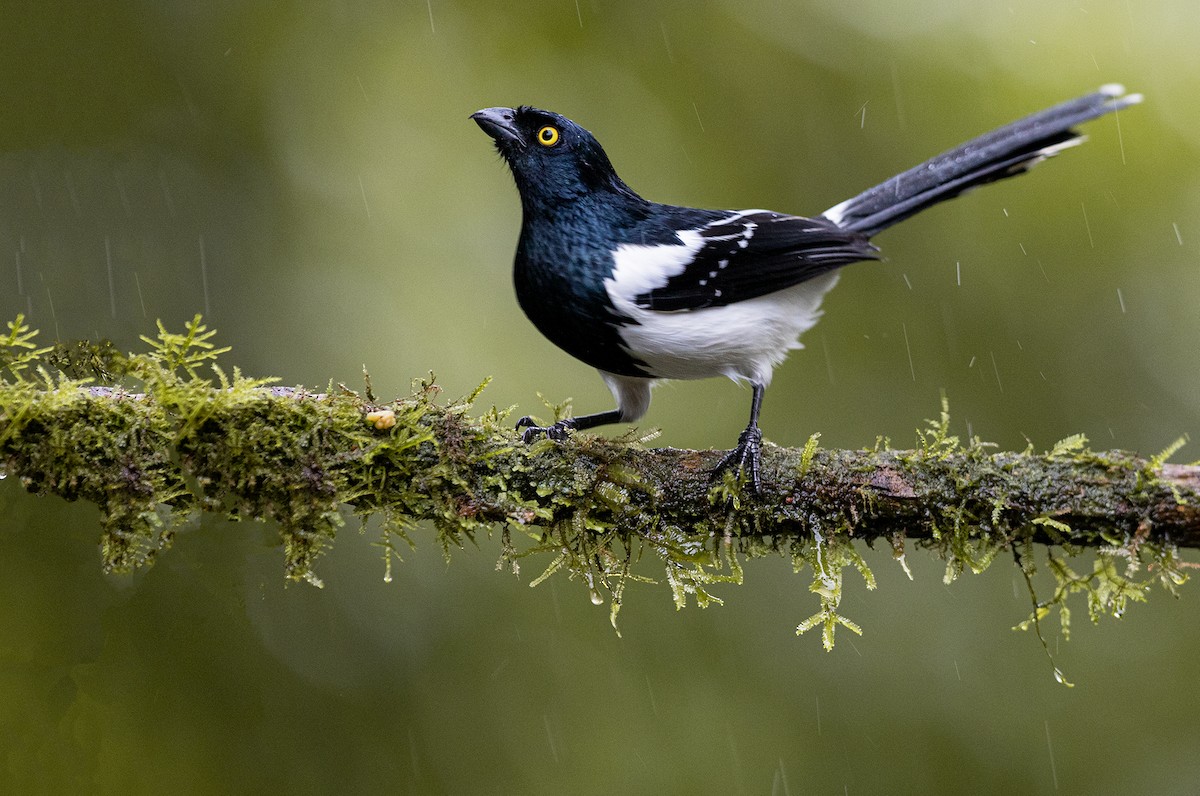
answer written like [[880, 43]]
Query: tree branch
[[232, 445]]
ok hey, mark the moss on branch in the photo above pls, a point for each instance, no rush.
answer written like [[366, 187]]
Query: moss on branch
[[172, 434]]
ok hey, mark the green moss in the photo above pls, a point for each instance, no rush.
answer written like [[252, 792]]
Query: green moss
[[173, 434]]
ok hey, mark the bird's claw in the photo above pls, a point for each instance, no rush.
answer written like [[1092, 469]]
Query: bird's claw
[[744, 459], [558, 431]]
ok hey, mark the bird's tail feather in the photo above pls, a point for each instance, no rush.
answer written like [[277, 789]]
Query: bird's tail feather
[[1004, 152]]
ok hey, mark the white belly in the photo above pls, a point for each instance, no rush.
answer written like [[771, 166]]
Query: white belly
[[744, 341]]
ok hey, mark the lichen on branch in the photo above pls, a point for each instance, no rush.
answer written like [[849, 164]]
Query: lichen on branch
[[154, 437]]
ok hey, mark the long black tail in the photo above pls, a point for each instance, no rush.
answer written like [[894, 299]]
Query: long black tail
[[1004, 152]]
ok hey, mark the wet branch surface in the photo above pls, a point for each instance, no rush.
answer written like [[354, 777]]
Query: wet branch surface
[[172, 442], [889, 492], [295, 456]]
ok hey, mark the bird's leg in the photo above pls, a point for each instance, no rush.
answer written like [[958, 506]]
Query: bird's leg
[[746, 456], [561, 429]]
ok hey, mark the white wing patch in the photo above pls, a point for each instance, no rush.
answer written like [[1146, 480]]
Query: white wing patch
[[638, 269], [744, 340]]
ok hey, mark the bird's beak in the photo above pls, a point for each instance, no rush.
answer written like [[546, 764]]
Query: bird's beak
[[500, 124]]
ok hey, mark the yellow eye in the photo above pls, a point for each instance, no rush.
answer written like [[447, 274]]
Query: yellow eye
[[547, 136]]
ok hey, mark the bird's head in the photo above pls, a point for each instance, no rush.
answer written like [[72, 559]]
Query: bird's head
[[552, 158]]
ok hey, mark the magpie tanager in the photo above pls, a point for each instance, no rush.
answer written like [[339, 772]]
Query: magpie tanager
[[643, 291]]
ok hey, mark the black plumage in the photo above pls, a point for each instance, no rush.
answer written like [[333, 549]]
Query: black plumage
[[644, 291], [757, 254]]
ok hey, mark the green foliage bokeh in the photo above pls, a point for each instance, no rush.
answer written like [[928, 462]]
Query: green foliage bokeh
[[305, 175]]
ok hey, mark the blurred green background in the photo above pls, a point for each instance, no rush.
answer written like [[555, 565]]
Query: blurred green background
[[305, 174]]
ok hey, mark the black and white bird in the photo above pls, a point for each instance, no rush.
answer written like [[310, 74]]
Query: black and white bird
[[643, 291]]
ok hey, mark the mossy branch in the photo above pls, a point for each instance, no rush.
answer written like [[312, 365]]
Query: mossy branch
[[171, 442]]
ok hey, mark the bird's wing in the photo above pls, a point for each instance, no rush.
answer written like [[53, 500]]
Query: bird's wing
[[748, 254]]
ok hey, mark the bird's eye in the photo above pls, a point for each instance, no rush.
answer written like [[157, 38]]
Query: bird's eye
[[548, 135]]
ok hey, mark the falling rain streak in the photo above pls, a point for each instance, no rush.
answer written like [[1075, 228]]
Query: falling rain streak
[[1120, 138], [1050, 749], [74, 197], [912, 370], [141, 299], [363, 189], [550, 737], [50, 300], [780, 785]]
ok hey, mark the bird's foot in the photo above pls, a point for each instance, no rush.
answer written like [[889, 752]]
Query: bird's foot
[[556, 431], [744, 459]]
